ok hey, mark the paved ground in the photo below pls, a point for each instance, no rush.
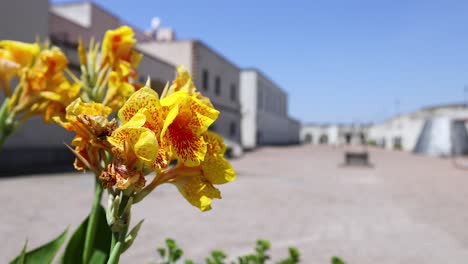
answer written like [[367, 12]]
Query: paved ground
[[407, 209]]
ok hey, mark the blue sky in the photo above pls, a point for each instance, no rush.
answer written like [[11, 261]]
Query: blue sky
[[339, 60]]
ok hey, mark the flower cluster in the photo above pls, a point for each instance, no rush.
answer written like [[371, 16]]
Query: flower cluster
[[166, 136], [45, 86], [110, 81], [42, 86]]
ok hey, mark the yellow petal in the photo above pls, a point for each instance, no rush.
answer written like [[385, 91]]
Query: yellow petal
[[196, 191], [143, 98], [142, 140], [217, 170], [21, 52]]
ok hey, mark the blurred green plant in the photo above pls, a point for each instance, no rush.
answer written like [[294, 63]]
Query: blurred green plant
[[337, 260], [172, 253]]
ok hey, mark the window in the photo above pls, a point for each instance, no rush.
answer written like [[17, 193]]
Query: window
[[205, 79], [217, 86], [233, 92], [232, 129]]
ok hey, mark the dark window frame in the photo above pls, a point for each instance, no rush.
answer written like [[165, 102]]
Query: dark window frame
[[205, 79], [233, 92], [218, 85]]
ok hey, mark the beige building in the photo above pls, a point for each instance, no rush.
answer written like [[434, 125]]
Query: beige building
[[214, 75], [265, 119], [68, 22]]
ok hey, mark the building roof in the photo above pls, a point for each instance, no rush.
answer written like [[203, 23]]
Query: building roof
[[265, 76], [139, 34], [197, 42]]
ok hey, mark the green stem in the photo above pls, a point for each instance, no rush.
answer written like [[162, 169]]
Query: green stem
[[115, 253], [6, 122], [114, 240], [123, 217], [92, 222]]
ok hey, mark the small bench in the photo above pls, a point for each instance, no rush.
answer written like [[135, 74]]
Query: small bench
[[357, 158]]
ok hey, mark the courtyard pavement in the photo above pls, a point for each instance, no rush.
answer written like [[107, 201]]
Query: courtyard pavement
[[406, 209]]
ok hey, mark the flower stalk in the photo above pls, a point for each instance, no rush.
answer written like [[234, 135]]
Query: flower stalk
[[120, 229], [93, 220]]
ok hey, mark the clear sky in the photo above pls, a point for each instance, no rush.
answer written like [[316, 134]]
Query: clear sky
[[339, 60]]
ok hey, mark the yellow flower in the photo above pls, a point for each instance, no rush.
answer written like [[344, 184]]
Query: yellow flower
[[183, 82], [133, 139], [215, 167], [89, 121], [56, 101], [43, 88], [196, 184], [117, 50], [47, 72], [19, 52], [146, 98], [187, 119], [14, 56], [118, 91]]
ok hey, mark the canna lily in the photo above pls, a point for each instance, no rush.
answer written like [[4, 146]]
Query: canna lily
[[196, 184], [146, 98], [89, 121], [19, 52], [55, 101], [14, 56], [134, 146], [187, 119], [118, 91], [43, 88], [133, 139], [117, 50], [183, 82]]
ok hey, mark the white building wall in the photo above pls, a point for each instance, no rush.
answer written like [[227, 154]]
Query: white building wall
[[317, 131], [407, 127], [79, 13], [248, 97], [272, 117], [294, 129]]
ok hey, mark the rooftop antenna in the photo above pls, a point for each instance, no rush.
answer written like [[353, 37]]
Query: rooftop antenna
[[155, 24]]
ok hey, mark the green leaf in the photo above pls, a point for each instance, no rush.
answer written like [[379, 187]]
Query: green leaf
[[74, 251], [162, 252], [20, 259], [132, 236], [43, 254], [337, 260]]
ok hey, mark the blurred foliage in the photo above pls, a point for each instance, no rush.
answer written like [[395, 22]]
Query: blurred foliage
[[172, 254]]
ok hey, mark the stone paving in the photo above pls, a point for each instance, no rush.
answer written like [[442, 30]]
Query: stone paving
[[406, 209]]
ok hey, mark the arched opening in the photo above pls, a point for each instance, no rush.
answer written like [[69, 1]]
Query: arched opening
[[308, 139], [347, 138], [323, 139]]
